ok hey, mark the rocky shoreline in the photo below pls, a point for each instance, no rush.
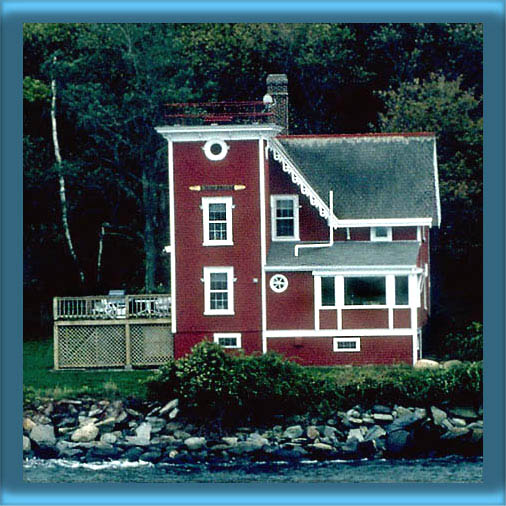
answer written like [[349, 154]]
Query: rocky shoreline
[[88, 430]]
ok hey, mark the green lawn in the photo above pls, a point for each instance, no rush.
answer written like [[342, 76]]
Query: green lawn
[[40, 380]]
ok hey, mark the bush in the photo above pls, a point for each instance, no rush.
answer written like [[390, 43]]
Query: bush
[[213, 384], [463, 345]]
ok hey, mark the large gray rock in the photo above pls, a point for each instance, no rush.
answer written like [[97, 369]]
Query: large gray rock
[[27, 446], [108, 438], [293, 432], [406, 420], [398, 442], [425, 363], [355, 434], [173, 413], [382, 417], [380, 409], [143, 431], [455, 433], [86, 433], [28, 424], [451, 363], [375, 432], [195, 443], [43, 434], [464, 412], [103, 451], [312, 432], [438, 415], [330, 432], [169, 406], [157, 424], [247, 446], [231, 441]]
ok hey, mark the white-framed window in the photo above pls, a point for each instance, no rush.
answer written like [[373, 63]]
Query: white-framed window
[[346, 344], [381, 233], [228, 339], [328, 291], [285, 217], [365, 291], [278, 283], [215, 149], [401, 291], [219, 290], [217, 220]]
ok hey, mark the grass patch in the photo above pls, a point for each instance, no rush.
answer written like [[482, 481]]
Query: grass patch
[[40, 380]]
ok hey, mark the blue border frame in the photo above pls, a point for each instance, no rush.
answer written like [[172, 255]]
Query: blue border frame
[[14, 13]]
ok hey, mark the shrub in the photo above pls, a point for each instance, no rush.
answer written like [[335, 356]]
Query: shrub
[[463, 345], [211, 383]]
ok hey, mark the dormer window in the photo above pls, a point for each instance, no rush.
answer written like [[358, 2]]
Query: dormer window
[[285, 217], [381, 233], [217, 220]]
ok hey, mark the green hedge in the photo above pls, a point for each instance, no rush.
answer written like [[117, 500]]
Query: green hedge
[[212, 383]]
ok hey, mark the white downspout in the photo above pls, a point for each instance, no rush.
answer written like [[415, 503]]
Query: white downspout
[[331, 231]]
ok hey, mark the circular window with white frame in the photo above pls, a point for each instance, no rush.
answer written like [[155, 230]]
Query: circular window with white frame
[[278, 283], [215, 149]]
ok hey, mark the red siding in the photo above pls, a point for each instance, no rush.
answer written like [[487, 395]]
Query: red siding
[[360, 234], [328, 319], [184, 342], [312, 227], [191, 167], [402, 318], [404, 233], [293, 308], [319, 350], [365, 318]]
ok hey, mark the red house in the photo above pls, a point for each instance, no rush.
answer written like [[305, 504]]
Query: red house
[[314, 246]]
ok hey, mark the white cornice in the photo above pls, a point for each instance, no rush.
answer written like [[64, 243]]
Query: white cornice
[[182, 133], [385, 222], [364, 270]]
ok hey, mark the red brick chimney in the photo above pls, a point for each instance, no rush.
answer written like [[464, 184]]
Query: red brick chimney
[[277, 88]]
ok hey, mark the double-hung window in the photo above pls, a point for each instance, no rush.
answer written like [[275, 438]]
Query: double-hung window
[[217, 219], [285, 217], [218, 290]]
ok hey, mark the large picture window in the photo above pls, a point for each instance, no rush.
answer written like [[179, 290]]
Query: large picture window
[[217, 219], [285, 217], [366, 291], [218, 290]]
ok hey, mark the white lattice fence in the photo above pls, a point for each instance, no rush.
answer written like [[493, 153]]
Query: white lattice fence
[[151, 344]]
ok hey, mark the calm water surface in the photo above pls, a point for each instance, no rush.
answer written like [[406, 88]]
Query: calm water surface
[[443, 470]]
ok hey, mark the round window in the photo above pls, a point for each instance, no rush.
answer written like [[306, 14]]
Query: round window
[[215, 149], [278, 283]]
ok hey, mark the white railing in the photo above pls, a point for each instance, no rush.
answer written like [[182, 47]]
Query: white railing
[[112, 307]]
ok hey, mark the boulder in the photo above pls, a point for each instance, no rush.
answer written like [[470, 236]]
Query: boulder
[[458, 422], [438, 415], [173, 426], [247, 446], [181, 434], [151, 456], [380, 409], [169, 406], [404, 421], [157, 423], [103, 451], [355, 434], [231, 441], [321, 446], [132, 454], [455, 433], [173, 413], [27, 446], [382, 417], [312, 432], [448, 364], [86, 433], [398, 442], [330, 432], [288, 454], [375, 432], [195, 443], [143, 431], [464, 412], [293, 432], [28, 424], [108, 438], [425, 363], [43, 434]]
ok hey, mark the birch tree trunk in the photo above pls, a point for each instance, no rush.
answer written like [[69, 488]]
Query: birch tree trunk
[[61, 179]]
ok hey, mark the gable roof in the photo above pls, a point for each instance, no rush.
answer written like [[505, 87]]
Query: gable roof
[[373, 176], [345, 254]]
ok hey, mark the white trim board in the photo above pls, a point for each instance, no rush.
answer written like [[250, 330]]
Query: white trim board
[[181, 133], [331, 270], [272, 334], [172, 223]]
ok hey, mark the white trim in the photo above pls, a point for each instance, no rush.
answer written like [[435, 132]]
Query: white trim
[[272, 334], [436, 183], [172, 222], [376, 238], [263, 238], [330, 270], [229, 271], [182, 133], [206, 201], [295, 200], [210, 155], [317, 287], [414, 303], [227, 335], [338, 340], [419, 233]]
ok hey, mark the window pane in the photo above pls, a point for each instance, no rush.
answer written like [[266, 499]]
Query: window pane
[[328, 292], [217, 231], [284, 227], [219, 300], [218, 281], [364, 291], [346, 345], [227, 341], [217, 212], [401, 291], [284, 208], [381, 232]]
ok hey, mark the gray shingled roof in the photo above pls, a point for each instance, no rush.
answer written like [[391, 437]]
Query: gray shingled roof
[[345, 254], [371, 176]]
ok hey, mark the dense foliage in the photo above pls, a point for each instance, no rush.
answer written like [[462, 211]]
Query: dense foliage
[[211, 383], [112, 79], [464, 345]]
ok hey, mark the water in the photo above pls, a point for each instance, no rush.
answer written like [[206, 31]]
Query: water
[[441, 470]]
